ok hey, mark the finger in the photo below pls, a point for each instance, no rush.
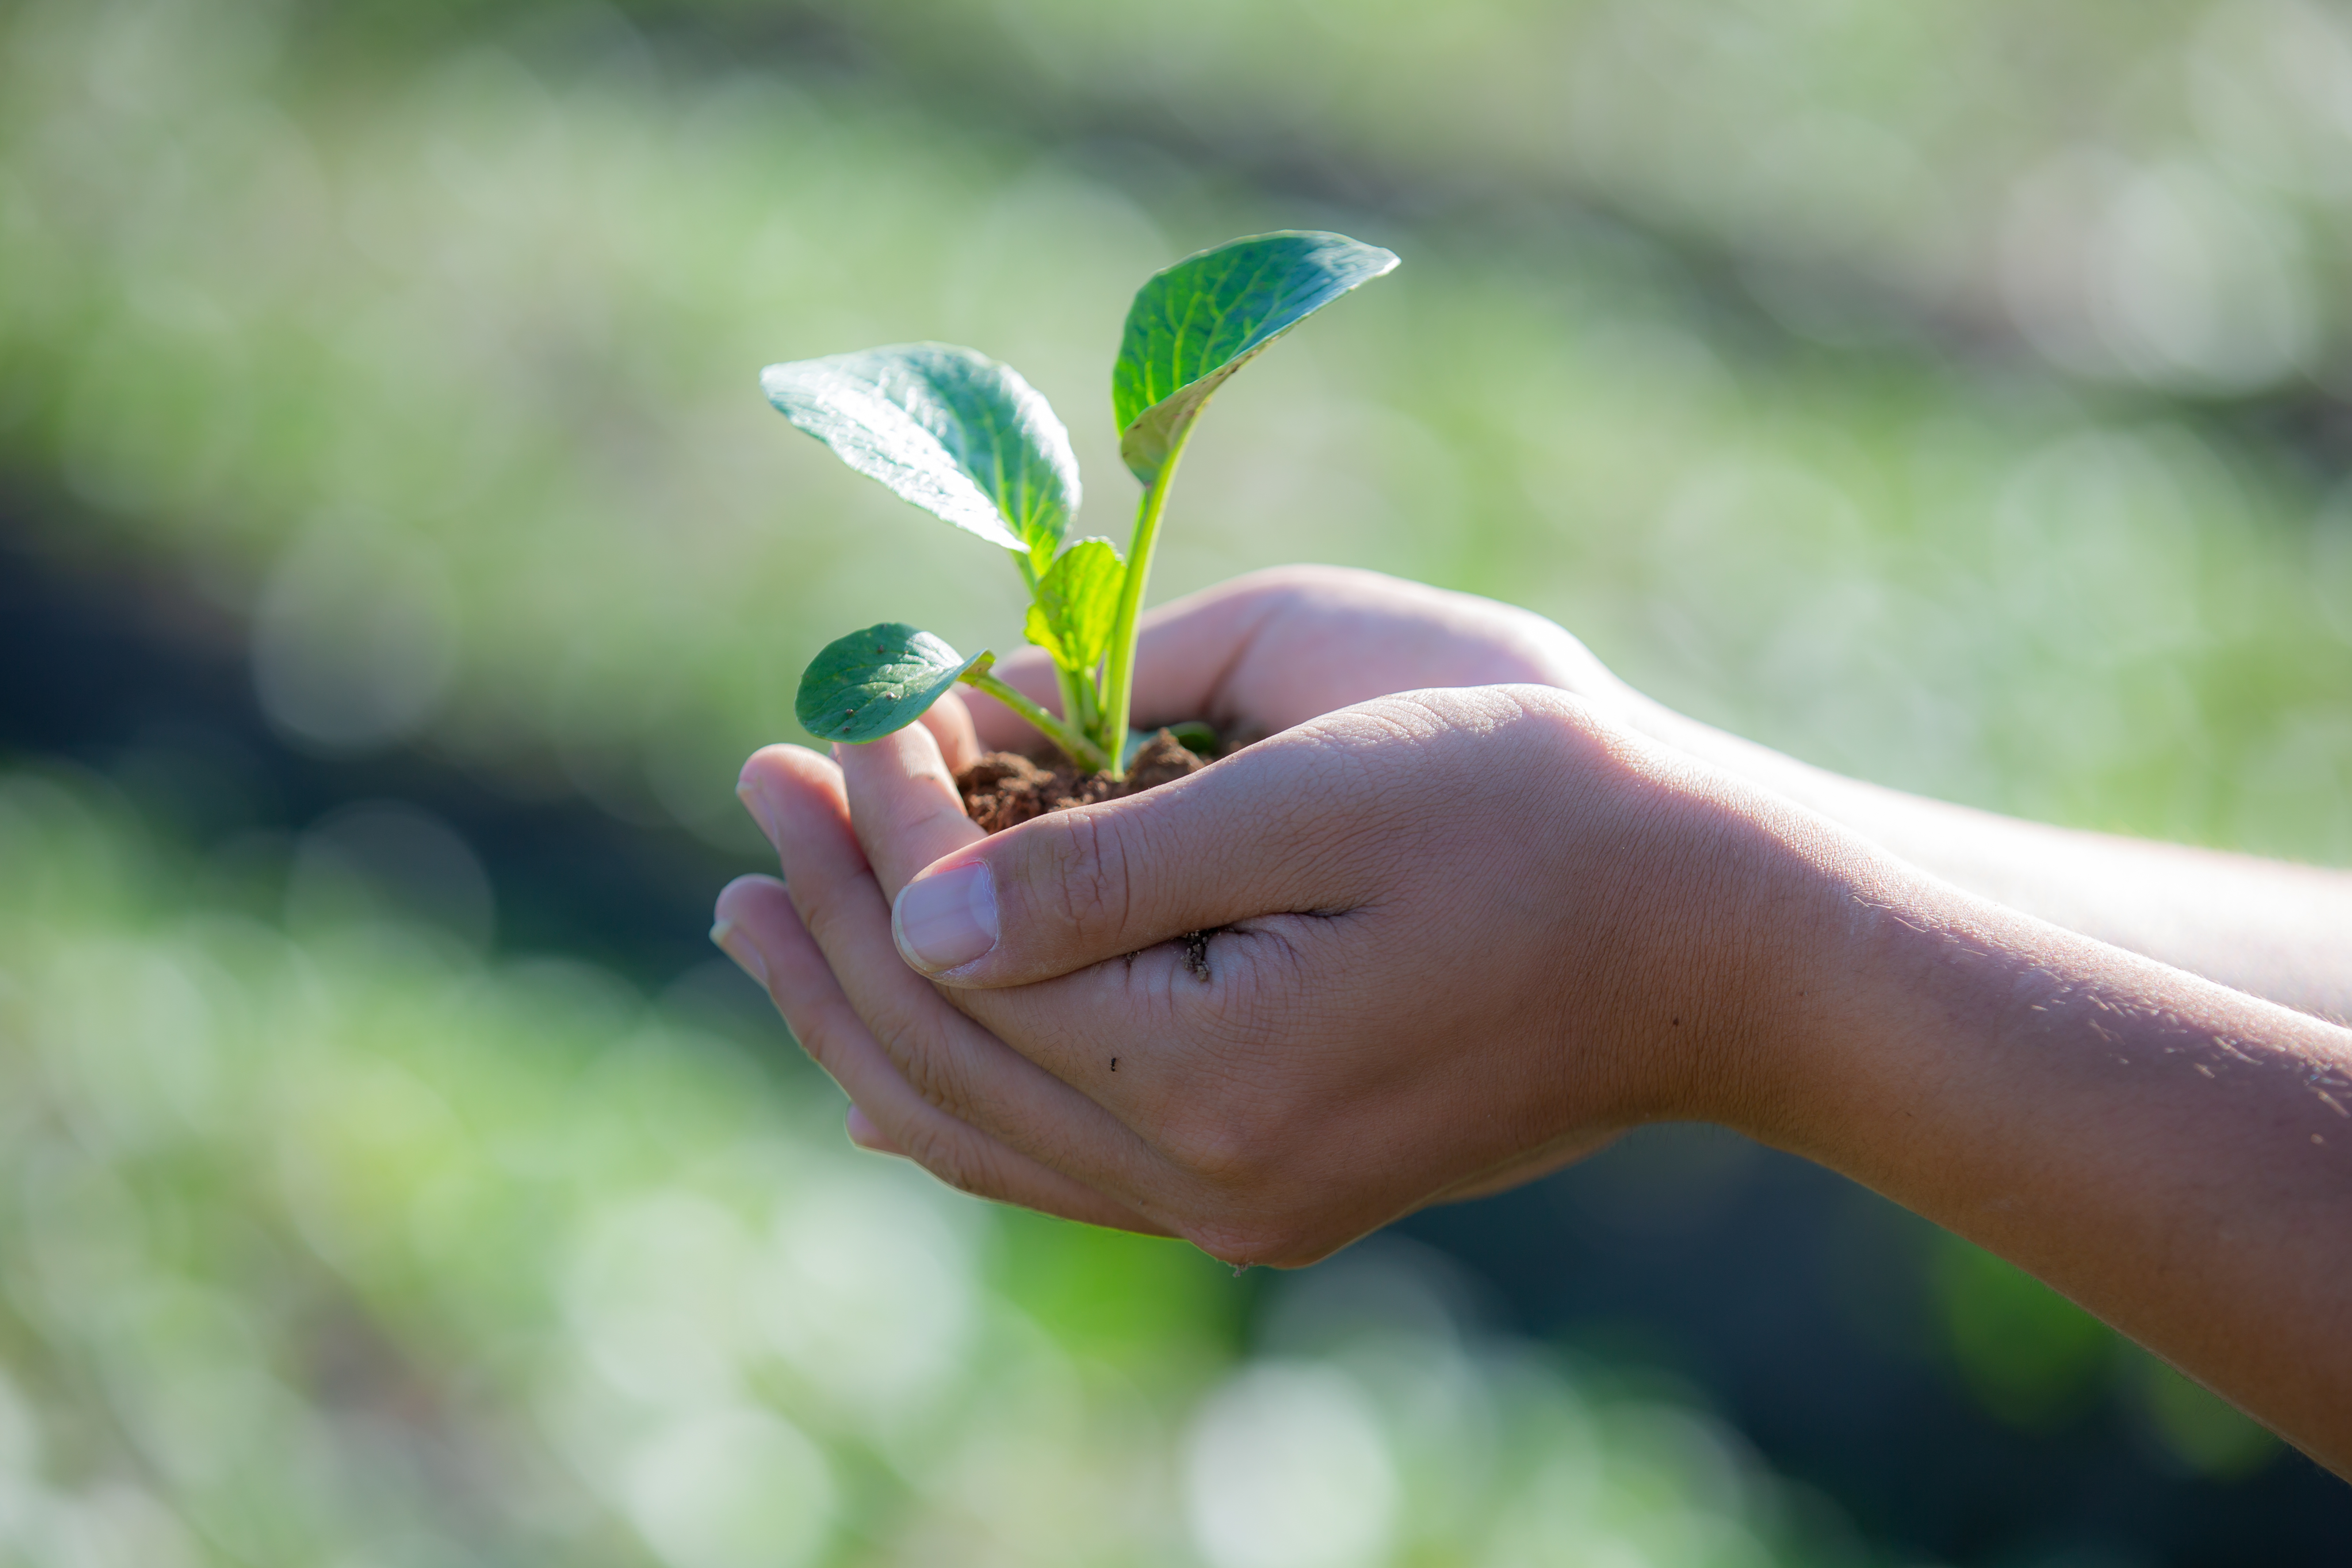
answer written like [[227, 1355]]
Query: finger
[[1283, 825], [947, 1059], [759, 928], [950, 722], [904, 805], [865, 1135], [1276, 648], [1187, 649], [1190, 1041], [1078, 1026]]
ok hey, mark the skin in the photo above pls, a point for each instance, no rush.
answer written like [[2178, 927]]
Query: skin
[[1484, 907]]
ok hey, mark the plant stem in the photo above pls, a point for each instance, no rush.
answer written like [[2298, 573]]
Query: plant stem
[[1118, 691], [1082, 750], [1074, 698], [1076, 706], [1081, 688]]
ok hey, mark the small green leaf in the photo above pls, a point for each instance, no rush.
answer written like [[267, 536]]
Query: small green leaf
[[950, 429], [1077, 599], [863, 685], [1196, 737], [1196, 323]]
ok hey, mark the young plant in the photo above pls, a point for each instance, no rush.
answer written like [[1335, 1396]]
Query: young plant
[[967, 440]]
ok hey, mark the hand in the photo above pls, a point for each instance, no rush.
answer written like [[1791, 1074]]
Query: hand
[[1456, 938], [1253, 656], [1453, 938], [1263, 652]]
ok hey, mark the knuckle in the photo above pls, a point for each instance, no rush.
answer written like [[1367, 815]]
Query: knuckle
[[822, 915], [818, 1031], [927, 817], [917, 1048], [938, 1081], [897, 1024], [951, 1157], [1090, 868]]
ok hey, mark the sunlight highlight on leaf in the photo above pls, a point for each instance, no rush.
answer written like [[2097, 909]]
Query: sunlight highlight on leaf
[[947, 428], [1076, 600]]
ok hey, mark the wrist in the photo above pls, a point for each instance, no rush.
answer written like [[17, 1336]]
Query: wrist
[[1729, 911]]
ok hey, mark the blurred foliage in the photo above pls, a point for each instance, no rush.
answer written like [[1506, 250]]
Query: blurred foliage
[[2152, 194], [2203, 1433], [2035, 1358], [2042, 1363], [445, 375], [330, 1240]]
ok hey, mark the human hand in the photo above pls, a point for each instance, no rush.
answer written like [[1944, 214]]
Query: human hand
[[1455, 938], [1263, 652]]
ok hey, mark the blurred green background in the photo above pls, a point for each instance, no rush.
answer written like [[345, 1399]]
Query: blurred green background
[[397, 560]]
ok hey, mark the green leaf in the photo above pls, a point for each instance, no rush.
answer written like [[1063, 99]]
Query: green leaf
[[863, 685], [1204, 318], [1077, 599], [1196, 737], [950, 429]]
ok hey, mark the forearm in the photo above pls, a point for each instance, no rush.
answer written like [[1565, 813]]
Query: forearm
[[2270, 928], [2172, 1154]]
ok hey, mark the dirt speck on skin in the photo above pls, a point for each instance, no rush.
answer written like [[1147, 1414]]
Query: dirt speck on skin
[[1003, 787]]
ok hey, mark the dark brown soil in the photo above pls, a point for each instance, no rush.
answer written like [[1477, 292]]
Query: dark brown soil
[[1004, 787]]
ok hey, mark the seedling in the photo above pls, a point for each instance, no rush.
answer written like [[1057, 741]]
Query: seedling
[[967, 440]]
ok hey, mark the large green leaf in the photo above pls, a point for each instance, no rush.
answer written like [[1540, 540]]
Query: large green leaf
[[1196, 323], [1076, 600], [947, 428], [863, 685]]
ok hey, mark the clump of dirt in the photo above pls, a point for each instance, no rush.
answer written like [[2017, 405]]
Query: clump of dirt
[[1005, 787]]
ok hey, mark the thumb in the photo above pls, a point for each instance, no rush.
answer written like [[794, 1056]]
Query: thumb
[[1071, 889]]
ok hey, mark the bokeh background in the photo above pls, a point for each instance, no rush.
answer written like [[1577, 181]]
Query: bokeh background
[[396, 561]]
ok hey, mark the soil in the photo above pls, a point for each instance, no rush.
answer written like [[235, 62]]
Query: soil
[[1004, 787]]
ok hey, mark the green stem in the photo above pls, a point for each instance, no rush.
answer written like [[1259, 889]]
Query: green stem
[[1075, 706], [1081, 689], [1082, 750], [1118, 691]]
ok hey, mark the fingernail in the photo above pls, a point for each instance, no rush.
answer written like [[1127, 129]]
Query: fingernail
[[755, 801], [946, 920], [730, 940]]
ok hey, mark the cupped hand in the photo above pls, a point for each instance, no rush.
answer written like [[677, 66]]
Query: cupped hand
[[1426, 945], [1263, 652]]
